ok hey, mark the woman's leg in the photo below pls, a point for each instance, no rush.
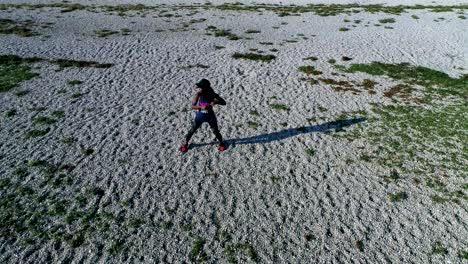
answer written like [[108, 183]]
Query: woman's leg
[[195, 125], [214, 127]]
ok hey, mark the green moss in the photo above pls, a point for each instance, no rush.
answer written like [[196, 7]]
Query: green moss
[[343, 29]]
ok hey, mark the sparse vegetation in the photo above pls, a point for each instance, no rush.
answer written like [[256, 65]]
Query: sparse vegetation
[[10, 113], [253, 124], [254, 56], [102, 33], [67, 140], [310, 152], [87, 152], [14, 70], [397, 197], [197, 254], [387, 20], [279, 107], [43, 120], [309, 70], [252, 31], [359, 245], [19, 28], [74, 82], [438, 249], [36, 133], [21, 93]]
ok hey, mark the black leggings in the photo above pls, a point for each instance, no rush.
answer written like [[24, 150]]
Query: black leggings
[[201, 118]]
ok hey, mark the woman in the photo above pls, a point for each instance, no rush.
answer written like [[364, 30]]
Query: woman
[[203, 101]]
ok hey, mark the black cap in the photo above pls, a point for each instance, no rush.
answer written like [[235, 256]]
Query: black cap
[[203, 83]]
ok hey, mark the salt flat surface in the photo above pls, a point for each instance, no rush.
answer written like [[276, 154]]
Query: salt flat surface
[[264, 190], [282, 2]]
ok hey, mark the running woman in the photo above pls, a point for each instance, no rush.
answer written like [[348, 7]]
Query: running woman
[[203, 101]]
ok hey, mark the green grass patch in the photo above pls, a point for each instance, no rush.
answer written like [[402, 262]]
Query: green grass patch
[[76, 95], [11, 112], [387, 20], [279, 107], [253, 124], [254, 56], [397, 197], [21, 93], [59, 113], [19, 28], [43, 120], [36, 133], [14, 70], [74, 82], [197, 254], [252, 31], [435, 81], [463, 254], [309, 70], [67, 140], [87, 152], [102, 33], [438, 249], [359, 245], [310, 152], [66, 63]]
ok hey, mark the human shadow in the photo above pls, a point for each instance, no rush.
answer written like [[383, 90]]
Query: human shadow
[[336, 126]]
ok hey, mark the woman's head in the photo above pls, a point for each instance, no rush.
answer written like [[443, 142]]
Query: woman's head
[[204, 86]]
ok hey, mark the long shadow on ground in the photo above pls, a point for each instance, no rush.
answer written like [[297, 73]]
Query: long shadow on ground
[[290, 132]]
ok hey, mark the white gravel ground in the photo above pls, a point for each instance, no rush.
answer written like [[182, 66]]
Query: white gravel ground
[[264, 190]]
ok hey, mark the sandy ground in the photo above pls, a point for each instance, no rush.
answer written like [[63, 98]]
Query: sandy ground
[[265, 190]]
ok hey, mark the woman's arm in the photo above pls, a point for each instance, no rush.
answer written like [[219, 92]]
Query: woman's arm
[[195, 101], [219, 100]]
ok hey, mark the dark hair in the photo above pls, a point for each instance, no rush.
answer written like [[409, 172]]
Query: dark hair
[[205, 85]]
